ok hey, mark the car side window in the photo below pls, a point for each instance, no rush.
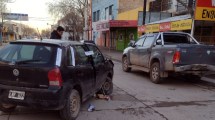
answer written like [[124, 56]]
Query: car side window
[[97, 56], [80, 56], [149, 41], [139, 43]]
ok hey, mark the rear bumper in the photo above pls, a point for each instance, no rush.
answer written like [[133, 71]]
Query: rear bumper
[[195, 68], [35, 97]]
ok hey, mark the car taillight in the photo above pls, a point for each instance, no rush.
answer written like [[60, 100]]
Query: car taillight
[[55, 78], [176, 57]]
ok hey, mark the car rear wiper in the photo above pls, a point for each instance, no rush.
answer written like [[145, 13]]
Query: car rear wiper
[[27, 61]]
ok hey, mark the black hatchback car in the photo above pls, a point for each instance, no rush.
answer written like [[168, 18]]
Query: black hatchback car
[[53, 75]]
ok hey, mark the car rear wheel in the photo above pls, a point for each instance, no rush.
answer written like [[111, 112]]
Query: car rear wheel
[[72, 107], [7, 108], [155, 73], [125, 66]]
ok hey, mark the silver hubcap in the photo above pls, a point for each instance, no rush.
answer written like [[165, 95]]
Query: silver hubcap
[[74, 105], [155, 73], [106, 86]]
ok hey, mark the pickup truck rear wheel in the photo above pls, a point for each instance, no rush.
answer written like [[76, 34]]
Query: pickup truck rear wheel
[[125, 64], [7, 108], [72, 107], [155, 73]]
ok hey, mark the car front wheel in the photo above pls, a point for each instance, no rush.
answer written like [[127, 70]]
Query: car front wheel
[[125, 66], [108, 86], [72, 107]]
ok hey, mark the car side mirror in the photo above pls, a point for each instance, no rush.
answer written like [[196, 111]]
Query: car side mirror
[[131, 44], [159, 42]]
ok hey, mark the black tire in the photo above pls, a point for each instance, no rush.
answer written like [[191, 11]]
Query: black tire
[[107, 87], [125, 64], [7, 108], [72, 107], [155, 73]]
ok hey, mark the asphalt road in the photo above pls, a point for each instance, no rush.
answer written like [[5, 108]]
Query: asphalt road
[[135, 97]]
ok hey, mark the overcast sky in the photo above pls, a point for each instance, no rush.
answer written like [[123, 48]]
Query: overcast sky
[[37, 11]]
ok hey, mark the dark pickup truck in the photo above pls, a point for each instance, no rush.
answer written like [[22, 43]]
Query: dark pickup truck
[[169, 52]]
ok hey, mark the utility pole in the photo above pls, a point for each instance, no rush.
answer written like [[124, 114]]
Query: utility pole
[[91, 22], [2, 23], [144, 11]]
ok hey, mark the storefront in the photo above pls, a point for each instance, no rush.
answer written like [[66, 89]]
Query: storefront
[[204, 30], [116, 34], [201, 25]]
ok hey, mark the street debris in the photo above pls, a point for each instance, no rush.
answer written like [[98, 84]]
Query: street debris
[[102, 96], [91, 108]]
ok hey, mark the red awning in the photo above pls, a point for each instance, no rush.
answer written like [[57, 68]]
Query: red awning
[[123, 23], [106, 25]]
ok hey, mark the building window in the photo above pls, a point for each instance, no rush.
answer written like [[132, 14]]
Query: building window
[[111, 10], [184, 4], [94, 16], [160, 5], [106, 13], [98, 15]]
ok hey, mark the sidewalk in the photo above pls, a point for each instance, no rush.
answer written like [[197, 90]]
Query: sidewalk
[[112, 54], [117, 56]]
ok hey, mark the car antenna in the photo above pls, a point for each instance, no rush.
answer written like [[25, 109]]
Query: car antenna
[[39, 34]]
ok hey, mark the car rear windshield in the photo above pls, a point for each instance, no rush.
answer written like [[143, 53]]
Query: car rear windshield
[[26, 54], [170, 39]]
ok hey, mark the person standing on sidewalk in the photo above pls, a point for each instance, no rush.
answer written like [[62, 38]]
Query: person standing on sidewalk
[[57, 34]]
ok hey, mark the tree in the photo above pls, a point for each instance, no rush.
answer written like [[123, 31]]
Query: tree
[[28, 31], [71, 13], [46, 33], [2, 6], [60, 8]]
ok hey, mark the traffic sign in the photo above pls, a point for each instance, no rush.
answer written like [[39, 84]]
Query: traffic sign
[[15, 16]]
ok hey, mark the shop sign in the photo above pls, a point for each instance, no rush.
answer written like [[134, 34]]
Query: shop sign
[[165, 27], [168, 26], [141, 29], [205, 10], [182, 25], [103, 26], [152, 28]]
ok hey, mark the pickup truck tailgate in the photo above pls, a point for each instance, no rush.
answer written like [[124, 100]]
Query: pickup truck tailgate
[[197, 54]]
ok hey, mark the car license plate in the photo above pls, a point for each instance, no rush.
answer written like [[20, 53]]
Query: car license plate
[[19, 95]]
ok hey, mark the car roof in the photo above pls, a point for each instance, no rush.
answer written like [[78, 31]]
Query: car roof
[[49, 41]]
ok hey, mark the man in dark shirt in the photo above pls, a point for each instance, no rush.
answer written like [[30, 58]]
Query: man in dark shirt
[[57, 34]]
